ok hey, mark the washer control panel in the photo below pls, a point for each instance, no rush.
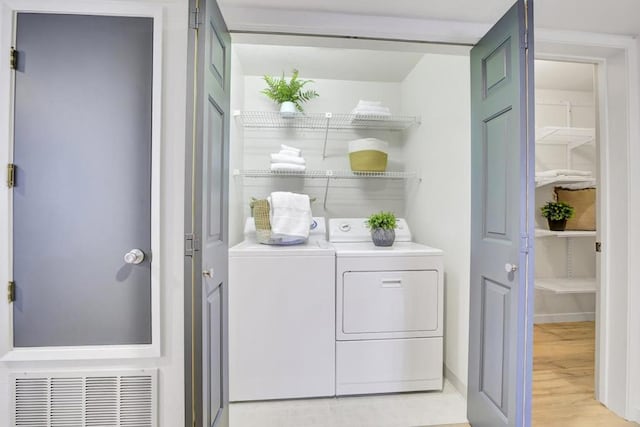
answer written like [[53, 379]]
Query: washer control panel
[[357, 230]]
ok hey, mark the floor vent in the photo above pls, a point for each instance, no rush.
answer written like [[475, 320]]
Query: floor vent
[[82, 399]]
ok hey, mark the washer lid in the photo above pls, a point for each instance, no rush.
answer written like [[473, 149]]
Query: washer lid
[[312, 247], [363, 249]]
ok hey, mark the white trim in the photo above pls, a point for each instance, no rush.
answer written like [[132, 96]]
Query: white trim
[[8, 10], [269, 20], [455, 381], [564, 317], [589, 47], [633, 301]]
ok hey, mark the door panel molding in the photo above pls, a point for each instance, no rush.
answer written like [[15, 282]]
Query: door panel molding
[[7, 39]]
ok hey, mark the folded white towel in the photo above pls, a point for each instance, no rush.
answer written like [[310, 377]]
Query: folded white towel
[[276, 167], [565, 172], [580, 185], [363, 103], [290, 214], [367, 112], [373, 108], [290, 153], [282, 158], [289, 148]]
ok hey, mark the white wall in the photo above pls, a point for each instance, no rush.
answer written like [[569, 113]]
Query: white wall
[[236, 154], [438, 208], [171, 362], [346, 198], [557, 257]]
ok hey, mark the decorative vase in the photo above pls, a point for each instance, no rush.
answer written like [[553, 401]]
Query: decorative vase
[[557, 225], [288, 109], [382, 237]]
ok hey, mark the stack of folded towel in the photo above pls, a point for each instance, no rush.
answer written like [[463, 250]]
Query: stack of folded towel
[[288, 159], [562, 172], [290, 216], [371, 108]]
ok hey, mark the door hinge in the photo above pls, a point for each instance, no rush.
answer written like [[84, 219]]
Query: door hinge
[[11, 292], [195, 18], [11, 175], [13, 59], [598, 246], [191, 244], [524, 244]]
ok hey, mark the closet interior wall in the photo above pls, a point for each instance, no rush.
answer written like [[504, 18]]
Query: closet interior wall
[[436, 201], [563, 257]]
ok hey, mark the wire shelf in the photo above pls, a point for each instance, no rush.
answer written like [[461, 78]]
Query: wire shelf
[[573, 137], [323, 121], [326, 174]]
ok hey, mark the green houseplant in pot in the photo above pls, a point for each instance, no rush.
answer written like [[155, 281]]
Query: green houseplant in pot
[[289, 94], [382, 226], [557, 214]]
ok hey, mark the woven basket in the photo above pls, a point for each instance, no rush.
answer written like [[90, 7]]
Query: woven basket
[[584, 203], [260, 212]]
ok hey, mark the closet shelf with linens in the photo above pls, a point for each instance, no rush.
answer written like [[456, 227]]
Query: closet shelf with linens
[[362, 117]]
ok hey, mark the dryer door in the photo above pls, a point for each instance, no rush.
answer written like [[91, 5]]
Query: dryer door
[[389, 304]]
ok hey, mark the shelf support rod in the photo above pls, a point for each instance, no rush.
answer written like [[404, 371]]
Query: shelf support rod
[[326, 189], [326, 135]]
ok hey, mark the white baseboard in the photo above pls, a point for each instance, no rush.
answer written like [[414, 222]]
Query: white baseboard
[[461, 386], [564, 317]]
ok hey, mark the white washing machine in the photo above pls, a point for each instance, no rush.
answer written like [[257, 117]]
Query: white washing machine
[[389, 311], [282, 318]]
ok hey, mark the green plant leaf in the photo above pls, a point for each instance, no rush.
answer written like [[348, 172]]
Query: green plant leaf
[[384, 220], [279, 90]]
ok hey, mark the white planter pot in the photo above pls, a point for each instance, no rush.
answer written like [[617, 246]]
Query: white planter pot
[[288, 109]]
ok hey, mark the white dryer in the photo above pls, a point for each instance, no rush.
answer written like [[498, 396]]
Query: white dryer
[[282, 318], [389, 311]]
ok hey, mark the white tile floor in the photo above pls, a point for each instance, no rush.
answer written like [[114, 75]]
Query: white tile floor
[[393, 410]]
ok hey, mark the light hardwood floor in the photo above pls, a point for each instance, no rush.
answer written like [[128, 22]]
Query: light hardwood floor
[[563, 378]]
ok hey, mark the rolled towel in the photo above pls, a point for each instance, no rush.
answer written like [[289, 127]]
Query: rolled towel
[[282, 167], [289, 148], [281, 158], [290, 214], [290, 153]]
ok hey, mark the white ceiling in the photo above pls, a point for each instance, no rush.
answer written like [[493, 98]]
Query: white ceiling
[[382, 65], [612, 16]]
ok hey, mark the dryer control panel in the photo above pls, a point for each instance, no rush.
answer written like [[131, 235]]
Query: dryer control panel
[[356, 230]]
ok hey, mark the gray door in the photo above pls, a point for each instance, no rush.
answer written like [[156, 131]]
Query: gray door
[[499, 388], [82, 198], [209, 188]]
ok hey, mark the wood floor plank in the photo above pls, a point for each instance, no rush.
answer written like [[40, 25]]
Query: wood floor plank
[[563, 378]]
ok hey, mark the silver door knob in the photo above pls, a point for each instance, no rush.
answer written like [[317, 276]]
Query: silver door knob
[[208, 273], [134, 256], [510, 268]]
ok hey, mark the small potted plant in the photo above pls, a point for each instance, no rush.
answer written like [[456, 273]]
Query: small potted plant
[[382, 226], [557, 214], [289, 95]]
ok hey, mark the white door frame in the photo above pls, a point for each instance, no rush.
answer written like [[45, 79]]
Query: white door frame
[[617, 377], [8, 12]]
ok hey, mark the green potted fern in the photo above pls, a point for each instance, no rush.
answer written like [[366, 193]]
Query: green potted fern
[[557, 214], [290, 95], [382, 226]]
